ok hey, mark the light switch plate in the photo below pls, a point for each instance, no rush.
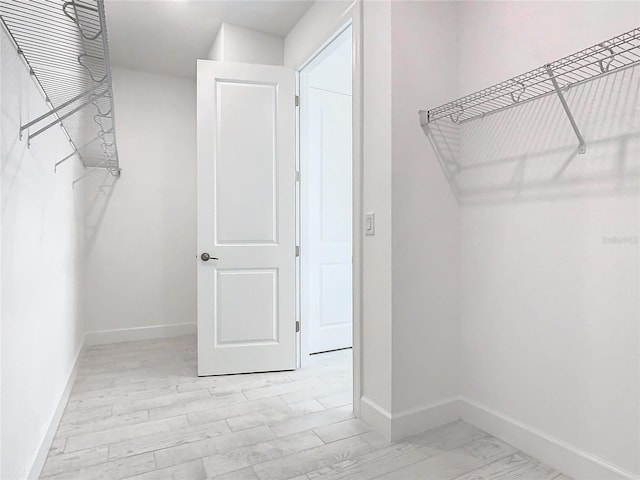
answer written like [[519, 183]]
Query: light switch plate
[[370, 223]]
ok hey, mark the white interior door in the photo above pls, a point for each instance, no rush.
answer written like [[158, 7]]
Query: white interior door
[[326, 198], [246, 218]]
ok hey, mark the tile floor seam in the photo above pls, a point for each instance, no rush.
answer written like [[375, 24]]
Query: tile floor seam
[[496, 460], [400, 468], [275, 458]]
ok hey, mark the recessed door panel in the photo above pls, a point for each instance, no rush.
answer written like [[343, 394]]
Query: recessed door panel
[[241, 321], [246, 160]]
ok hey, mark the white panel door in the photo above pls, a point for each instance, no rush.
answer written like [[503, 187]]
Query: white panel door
[[326, 213], [246, 218]]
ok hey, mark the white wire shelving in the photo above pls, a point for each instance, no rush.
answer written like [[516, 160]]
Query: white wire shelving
[[611, 56], [65, 47], [509, 140]]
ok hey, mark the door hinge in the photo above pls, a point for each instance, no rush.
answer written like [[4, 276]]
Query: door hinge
[[297, 326], [297, 175], [297, 100], [297, 251]]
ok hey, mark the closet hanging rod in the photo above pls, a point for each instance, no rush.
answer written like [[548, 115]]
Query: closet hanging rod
[[55, 110], [613, 55], [68, 114]]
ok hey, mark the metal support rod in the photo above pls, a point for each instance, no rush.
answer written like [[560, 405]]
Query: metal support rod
[[61, 106], [75, 150], [55, 167], [582, 147], [60, 119]]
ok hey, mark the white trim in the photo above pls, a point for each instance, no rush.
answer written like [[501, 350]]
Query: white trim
[[396, 426], [376, 416], [342, 25], [420, 419], [355, 11], [103, 337], [352, 15], [42, 452], [561, 455], [557, 453]]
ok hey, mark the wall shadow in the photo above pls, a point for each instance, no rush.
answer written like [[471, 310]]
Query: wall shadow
[[98, 186]]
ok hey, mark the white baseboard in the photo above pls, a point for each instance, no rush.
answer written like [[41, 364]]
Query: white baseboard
[[423, 418], [552, 451], [556, 453], [396, 426], [103, 337], [376, 416], [47, 440]]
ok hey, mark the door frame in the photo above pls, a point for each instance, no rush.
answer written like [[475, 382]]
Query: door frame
[[352, 16]]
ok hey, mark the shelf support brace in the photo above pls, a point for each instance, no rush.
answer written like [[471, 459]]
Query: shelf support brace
[[582, 146], [75, 151]]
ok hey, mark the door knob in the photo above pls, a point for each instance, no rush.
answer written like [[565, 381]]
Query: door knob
[[205, 257]]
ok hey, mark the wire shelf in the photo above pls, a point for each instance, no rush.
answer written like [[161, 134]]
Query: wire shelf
[[65, 46], [491, 152], [615, 54]]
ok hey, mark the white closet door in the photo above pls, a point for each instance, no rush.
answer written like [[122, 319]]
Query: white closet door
[[246, 218], [326, 220]]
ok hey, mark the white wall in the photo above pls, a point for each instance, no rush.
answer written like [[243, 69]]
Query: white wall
[[312, 30], [377, 254], [549, 310], [243, 45], [42, 327], [425, 220], [216, 52], [140, 263]]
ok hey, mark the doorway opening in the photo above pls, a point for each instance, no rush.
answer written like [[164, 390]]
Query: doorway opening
[[325, 201]]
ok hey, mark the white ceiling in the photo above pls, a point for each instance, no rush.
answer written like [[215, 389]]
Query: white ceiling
[[167, 36]]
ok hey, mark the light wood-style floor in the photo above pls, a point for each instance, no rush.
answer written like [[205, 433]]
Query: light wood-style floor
[[138, 410]]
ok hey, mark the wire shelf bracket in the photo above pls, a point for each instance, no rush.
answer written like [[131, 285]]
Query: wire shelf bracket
[[613, 55], [65, 47], [582, 146]]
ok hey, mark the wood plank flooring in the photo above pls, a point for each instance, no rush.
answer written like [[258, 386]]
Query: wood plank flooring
[[138, 411]]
